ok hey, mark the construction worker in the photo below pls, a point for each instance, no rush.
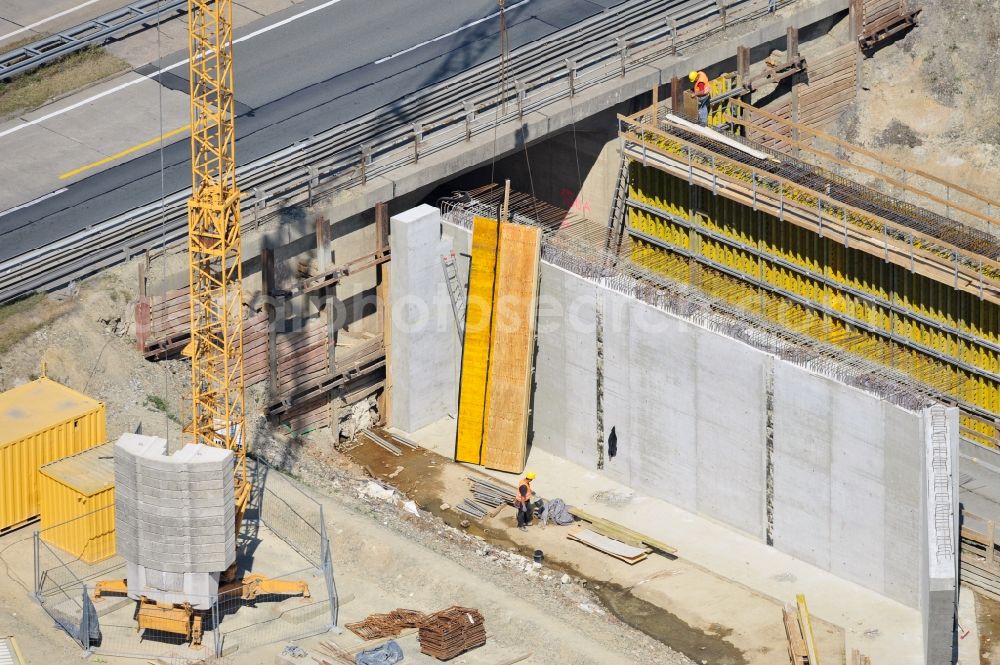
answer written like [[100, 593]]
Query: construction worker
[[522, 501], [702, 93]]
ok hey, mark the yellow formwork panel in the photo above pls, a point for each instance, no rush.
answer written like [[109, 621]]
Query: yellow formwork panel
[[512, 347], [40, 422], [821, 266], [476, 347], [78, 504]]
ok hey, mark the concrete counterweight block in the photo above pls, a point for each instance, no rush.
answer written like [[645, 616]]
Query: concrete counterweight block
[[175, 518]]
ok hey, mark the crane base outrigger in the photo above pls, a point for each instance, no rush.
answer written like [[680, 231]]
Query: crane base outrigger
[[183, 619]]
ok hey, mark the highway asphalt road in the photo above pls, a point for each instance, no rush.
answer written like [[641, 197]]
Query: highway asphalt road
[[298, 79]]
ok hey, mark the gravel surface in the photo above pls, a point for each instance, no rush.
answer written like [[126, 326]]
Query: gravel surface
[[557, 595]]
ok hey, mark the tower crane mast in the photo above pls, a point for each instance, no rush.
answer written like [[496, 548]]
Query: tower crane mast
[[216, 346], [216, 300]]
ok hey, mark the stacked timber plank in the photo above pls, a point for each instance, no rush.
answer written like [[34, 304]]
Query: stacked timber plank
[[980, 555], [882, 19], [621, 533], [818, 102], [166, 323], [798, 630], [498, 352], [610, 546], [831, 89], [451, 632]]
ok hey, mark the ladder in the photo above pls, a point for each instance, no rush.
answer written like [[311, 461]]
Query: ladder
[[455, 291], [616, 218]]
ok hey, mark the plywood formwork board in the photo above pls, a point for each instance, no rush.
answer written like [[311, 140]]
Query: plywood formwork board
[[512, 348], [476, 347]]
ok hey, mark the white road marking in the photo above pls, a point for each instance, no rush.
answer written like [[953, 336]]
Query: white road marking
[[47, 19], [449, 34], [33, 202], [128, 84]]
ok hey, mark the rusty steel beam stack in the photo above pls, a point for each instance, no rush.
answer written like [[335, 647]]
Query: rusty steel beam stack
[[450, 632]]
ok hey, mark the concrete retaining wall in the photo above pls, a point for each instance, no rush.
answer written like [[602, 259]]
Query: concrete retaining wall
[[847, 482], [424, 338], [820, 470]]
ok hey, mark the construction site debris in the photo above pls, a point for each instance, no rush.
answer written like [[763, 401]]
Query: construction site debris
[[858, 658], [390, 624], [359, 417], [375, 438], [387, 654], [555, 511], [293, 651], [627, 553], [409, 443], [451, 632], [487, 498], [376, 490]]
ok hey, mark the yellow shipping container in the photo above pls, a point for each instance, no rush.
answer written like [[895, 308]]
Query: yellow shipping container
[[40, 422], [78, 503]]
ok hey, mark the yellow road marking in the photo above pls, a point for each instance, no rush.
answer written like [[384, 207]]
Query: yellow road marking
[[126, 151]]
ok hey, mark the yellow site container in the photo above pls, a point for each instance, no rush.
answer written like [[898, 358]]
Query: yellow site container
[[78, 503], [40, 422]]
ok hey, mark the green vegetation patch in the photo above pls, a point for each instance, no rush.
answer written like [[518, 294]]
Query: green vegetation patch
[[75, 71]]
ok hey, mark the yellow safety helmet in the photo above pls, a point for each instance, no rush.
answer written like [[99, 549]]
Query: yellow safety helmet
[[530, 475], [693, 76]]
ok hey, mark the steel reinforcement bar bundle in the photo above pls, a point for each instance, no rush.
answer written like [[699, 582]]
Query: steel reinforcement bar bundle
[[594, 51]]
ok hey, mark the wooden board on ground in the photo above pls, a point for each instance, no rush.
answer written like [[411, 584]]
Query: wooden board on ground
[[619, 532], [610, 546], [797, 652], [512, 347], [476, 348]]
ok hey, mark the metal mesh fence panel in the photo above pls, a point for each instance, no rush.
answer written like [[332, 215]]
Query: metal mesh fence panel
[[292, 596]]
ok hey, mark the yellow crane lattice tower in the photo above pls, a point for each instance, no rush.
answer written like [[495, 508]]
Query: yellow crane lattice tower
[[216, 347]]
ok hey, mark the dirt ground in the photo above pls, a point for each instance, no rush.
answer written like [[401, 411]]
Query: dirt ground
[[84, 337], [670, 599], [988, 620], [584, 607], [925, 101]]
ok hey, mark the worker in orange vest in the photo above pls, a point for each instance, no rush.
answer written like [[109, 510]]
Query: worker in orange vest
[[522, 501], [703, 93]]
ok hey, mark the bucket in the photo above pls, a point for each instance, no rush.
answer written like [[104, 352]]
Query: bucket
[[539, 556]]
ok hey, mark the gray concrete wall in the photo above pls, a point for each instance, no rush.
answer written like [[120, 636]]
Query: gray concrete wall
[[690, 409], [846, 482], [424, 337]]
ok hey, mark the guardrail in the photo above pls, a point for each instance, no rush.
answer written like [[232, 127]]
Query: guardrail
[[597, 50], [92, 33]]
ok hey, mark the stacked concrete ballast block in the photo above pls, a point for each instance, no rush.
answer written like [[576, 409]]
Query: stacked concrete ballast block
[[424, 334], [175, 518]]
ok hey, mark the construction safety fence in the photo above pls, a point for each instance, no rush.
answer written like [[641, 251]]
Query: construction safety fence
[[283, 537]]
